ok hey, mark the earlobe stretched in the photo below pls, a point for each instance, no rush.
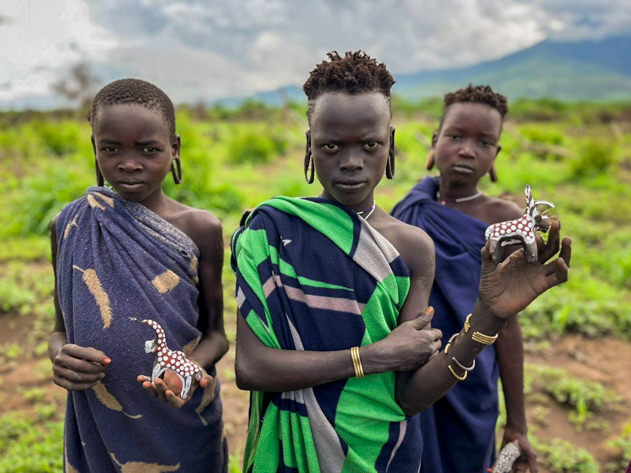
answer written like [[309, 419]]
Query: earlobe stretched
[[493, 173], [100, 181], [176, 170], [429, 163], [309, 166], [390, 163]]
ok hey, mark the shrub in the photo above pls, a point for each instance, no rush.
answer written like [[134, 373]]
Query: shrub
[[595, 156], [254, 146]]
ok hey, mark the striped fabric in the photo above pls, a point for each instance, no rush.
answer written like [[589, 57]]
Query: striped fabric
[[312, 275]]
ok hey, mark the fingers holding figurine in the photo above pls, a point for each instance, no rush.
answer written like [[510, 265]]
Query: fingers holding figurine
[[508, 287]]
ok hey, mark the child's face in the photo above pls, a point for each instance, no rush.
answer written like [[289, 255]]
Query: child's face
[[350, 141], [467, 142], [134, 149]]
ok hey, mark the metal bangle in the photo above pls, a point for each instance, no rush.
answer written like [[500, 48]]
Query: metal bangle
[[467, 324], [484, 339], [357, 362], [451, 339], [462, 367], [455, 375]]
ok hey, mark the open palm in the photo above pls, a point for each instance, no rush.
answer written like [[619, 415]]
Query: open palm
[[508, 287]]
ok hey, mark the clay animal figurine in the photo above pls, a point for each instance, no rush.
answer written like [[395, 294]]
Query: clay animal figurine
[[167, 359], [506, 458], [521, 230]]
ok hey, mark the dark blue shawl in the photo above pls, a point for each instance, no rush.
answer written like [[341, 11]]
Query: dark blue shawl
[[117, 260], [459, 429]]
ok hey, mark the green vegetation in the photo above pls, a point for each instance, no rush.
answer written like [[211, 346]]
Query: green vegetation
[[623, 444], [584, 397], [577, 155], [561, 456], [30, 447]]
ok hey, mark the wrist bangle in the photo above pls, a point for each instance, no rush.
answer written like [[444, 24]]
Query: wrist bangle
[[456, 375], [451, 339], [467, 324], [462, 367], [484, 339], [357, 362]]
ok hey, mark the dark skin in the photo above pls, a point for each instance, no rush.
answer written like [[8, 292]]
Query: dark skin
[[350, 139], [134, 150], [465, 148]]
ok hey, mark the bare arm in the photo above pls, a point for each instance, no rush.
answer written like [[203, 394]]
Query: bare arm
[[505, 290], [74, 367], [418, 251], [213, 344], [262, 368], [510, 358]]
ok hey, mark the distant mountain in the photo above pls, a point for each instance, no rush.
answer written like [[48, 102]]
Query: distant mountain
[[582, 70]]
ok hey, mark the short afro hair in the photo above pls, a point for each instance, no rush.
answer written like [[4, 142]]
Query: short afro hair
[[353, 73], [477, 94], [134, 91]]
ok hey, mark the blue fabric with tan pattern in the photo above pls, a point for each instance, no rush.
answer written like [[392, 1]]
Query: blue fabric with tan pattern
[[117, 261]]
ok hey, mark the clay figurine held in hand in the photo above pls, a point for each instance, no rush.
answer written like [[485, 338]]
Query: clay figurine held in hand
[[508, 287], [521, 230], [168, 363]]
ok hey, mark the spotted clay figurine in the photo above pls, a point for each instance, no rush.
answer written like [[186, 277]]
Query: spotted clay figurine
[[506, 458], [167, 359], [521, 230]]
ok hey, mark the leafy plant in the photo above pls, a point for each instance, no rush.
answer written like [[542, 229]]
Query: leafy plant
[[28, 447], [585, 397], [561, 456]]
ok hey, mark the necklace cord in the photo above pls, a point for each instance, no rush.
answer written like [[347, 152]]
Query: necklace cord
[[461, 199], [370, 211]]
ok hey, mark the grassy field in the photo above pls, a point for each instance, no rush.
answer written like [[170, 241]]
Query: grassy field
[[575, 155]]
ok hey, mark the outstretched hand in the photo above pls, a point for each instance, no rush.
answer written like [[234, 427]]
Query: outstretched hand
[[508, 287], [165, 389]]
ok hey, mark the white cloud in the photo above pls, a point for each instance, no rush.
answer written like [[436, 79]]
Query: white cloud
[[39, 38], [214, 48]]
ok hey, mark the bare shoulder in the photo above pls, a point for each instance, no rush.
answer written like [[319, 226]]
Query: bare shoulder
[[202, 226], [413, 244], [500, 210]]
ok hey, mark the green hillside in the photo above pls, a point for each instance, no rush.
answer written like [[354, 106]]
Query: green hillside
[[586, 70]]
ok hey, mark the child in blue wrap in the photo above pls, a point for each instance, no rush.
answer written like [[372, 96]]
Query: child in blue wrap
[[459, 429], [121, 255]]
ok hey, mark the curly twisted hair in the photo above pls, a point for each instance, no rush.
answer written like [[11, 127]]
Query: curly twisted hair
[[134, 91], [353, 73], [477, 94]]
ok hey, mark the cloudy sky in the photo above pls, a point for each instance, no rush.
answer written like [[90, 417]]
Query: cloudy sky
[[211, 49]]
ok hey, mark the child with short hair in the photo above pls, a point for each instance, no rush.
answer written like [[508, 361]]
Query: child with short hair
[[459, 429], [333, 333], [127, 254]]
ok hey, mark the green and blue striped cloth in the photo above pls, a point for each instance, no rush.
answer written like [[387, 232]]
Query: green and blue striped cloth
[[313, 275]]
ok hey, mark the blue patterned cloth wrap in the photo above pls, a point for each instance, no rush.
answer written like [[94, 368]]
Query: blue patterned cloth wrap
[[118, 261]]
